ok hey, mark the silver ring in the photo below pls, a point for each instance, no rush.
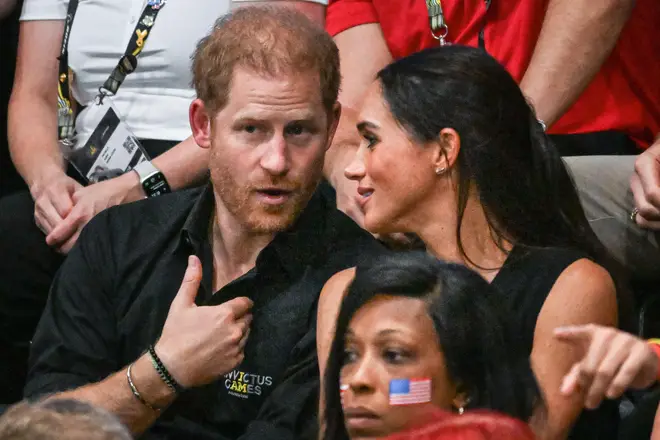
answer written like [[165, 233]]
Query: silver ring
[[633, 215]]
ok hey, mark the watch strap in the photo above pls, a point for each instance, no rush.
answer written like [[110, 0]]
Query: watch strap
[[152, 179], [145, 170]]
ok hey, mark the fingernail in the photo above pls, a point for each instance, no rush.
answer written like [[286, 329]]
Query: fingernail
[[191, 260]]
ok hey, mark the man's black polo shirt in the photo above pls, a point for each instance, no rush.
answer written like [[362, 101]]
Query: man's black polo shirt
[[111, 297]]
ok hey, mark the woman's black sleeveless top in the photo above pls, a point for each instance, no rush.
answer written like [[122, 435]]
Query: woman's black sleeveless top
[[525, 280]]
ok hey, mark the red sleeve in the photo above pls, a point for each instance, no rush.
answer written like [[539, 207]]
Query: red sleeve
[[345, 14], [655, 346]]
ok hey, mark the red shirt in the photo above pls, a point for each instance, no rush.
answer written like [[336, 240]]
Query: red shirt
[[624, 95], [473, 425]]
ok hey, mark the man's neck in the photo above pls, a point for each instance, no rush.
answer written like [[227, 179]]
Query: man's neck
[[235, 249]]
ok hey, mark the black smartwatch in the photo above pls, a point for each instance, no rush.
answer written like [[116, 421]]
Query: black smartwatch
[[152, 179]]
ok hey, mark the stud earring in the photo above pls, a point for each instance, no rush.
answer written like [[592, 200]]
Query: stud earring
[[461, 410], [440, 170]]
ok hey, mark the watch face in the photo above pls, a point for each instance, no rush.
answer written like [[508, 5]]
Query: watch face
[[155, 185]]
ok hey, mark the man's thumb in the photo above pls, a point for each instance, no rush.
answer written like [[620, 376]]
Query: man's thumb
[[190, 285]]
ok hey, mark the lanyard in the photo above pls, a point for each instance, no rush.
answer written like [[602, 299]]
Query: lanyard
[[439, 28], [126, 65]]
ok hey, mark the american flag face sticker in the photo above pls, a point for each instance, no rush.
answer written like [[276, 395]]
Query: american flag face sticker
[[410, 391]]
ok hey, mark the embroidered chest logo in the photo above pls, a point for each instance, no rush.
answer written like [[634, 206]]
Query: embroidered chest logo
[[242, 384]]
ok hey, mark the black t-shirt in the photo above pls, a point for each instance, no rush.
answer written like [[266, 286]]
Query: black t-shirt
[[110, 300], [526, 280]]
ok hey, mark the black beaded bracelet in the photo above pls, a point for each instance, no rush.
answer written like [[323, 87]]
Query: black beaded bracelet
[[163, 373]]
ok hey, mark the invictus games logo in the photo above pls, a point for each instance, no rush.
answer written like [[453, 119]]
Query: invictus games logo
[[242, 384]]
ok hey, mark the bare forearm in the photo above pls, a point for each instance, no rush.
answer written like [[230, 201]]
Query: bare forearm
[[576, 39], [114, 395], [32, 133], [337, 158], [184, 165], [362, 53]]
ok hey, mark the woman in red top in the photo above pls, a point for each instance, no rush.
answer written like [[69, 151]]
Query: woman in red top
[[470, 426]]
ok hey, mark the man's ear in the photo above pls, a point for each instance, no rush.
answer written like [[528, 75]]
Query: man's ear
[[445, 150], [200, 123], [333, 122]]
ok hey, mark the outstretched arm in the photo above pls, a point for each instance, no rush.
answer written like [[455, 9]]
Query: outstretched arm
[[610, 362]]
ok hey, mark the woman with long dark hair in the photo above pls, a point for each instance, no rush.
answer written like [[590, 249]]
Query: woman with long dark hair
[[438, 328], [453, 153]]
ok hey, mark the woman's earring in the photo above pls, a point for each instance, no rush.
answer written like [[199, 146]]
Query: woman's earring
[[461, 410], [440, 170]]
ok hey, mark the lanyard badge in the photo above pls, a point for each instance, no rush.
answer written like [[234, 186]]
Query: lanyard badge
[[111, 149]]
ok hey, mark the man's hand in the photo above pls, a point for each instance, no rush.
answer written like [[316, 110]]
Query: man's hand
[[89, 201], [200, 344], [645, 185], [612, 362], [53, 199]]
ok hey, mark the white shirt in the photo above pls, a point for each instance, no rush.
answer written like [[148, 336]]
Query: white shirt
[[154, 99]]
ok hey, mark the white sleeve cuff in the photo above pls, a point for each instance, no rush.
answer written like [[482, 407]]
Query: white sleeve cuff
[[44, 10]]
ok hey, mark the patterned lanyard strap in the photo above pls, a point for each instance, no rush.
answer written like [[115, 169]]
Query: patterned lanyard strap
[[439, 28], [126, 65]]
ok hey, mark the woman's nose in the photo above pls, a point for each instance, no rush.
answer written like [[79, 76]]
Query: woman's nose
[[355, 169], [362, 378]]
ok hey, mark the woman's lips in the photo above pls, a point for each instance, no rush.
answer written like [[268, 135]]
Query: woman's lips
[[363, 196], [360, 418]]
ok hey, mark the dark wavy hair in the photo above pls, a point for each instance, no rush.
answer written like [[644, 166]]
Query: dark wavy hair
[[527, 192], [485, 357]]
